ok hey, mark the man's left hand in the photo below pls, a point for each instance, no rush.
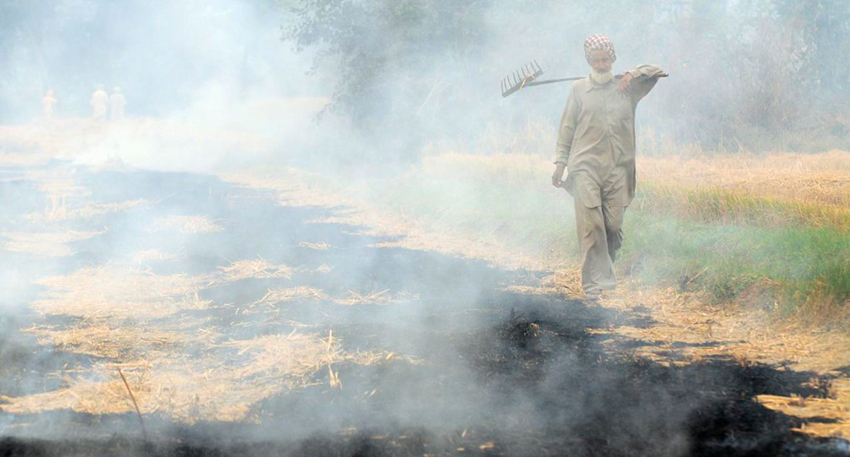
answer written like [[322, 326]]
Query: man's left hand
[[625, 82]]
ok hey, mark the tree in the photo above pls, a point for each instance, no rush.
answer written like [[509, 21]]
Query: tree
[[398, 63]]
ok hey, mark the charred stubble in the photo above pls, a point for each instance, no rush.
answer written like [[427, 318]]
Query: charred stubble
[[466, 368]]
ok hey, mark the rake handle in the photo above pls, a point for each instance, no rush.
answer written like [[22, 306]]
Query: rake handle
[[575, 78], [550, 81]]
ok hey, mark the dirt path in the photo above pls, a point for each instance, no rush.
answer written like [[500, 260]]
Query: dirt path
[[249, 327]]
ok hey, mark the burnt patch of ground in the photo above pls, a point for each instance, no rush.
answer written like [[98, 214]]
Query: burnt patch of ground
[[539, 382], [618, 405], [27, 367], [478, 371]]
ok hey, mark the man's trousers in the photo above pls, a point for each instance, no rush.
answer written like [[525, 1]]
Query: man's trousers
[[599, 213]]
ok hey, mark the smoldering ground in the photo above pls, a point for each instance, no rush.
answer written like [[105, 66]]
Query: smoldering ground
[[447, 363]]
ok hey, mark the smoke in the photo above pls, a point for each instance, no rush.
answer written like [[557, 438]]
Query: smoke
[[355, 90], [198, 70], [397, 79]]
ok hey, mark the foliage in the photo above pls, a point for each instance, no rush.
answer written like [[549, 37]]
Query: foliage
[[743, 74], [395, 62]]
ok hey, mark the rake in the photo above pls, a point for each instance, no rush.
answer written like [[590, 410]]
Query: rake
[[527, 77]]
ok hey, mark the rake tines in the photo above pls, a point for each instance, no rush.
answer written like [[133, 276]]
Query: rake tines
[[520, 78]]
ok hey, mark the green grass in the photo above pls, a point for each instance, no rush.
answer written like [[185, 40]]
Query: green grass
[[725, 244], [800, 263]]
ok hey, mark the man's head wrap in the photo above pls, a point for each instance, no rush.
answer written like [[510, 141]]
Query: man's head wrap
[[599, 43]]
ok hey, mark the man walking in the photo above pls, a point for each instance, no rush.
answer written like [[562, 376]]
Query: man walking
[[117, 102], [47, 102], [596, 143], [99, 99]]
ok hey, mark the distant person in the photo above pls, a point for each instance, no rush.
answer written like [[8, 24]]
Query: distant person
[[47, 102], [117, 102], [99, 100], [596, 142]]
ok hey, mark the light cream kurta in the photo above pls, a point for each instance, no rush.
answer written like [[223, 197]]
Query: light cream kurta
[[596, 141]]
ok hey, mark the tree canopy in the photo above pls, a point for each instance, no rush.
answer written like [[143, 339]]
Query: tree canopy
[[741, 72]]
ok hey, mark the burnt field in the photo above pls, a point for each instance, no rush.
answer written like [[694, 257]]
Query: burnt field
[[245, 327]]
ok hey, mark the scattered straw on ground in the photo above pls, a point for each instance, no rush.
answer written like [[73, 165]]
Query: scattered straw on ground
[[174, 367], [259, 269], [114, 292], [45, 244], [152, 255], [317, 246], [733, 331], [294, 187], [835, 410], [177, 365], [126, 343], [301, 293], [686, 330], [365, 298], [59, 211], [275, 296], [184, 224], [221, 385], [60, 182]]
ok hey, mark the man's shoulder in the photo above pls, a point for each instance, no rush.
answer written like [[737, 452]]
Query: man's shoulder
[[581, 86]]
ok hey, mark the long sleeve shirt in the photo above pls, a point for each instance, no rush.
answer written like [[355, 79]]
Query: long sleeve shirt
[[597, 130]]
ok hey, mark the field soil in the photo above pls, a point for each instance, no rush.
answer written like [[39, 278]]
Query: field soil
[[154, 313]]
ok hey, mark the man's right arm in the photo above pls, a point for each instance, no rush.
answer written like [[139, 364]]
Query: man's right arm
[[646, 76]]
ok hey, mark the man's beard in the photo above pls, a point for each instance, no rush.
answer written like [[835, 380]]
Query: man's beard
[[602, 78]]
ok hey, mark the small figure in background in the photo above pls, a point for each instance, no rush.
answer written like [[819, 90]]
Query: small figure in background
[[117, 102], [47, 102], [99, 100]]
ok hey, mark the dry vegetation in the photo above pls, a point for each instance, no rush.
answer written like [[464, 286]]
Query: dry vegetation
[[316, 246], [59, 210], [300, 293], [359, 209], [683, 323], [184, 224], [221, 383], [132, 319], [771, 190], [483, 206], [142, 141], [119, 293], [177, 366], [309, 294], [152, 255], [822, 179], [60, 182], [432, 207], [835, 409], [259, 269], [99, 339], [50, 244]]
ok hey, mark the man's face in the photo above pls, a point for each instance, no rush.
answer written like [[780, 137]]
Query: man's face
[[600, 61]]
